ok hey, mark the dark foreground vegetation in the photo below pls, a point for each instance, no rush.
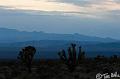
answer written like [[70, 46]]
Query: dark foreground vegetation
[[72, 64]]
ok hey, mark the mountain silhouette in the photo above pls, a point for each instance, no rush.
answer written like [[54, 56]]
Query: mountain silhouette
[[50, 48], [48, 44], [13, 35]]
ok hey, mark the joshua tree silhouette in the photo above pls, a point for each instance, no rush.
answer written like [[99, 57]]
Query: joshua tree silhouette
[[71, 60], [26, 56]]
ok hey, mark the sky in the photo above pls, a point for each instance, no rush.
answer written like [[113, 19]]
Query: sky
[[89, 17]]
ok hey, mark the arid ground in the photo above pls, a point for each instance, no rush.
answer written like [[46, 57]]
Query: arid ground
[[56, 69]]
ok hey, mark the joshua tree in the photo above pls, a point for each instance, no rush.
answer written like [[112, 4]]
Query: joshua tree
[[81, 55], [71, 60], [26, 56]]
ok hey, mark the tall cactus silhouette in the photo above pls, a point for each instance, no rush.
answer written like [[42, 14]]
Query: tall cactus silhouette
[[71, 60], [81, 55], [26, 56]]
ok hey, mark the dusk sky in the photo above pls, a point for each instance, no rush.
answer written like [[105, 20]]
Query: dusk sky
[[89, 17]]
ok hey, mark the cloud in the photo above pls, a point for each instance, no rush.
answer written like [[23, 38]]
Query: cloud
[[82, 8], [95, 8], [31, 20], [38, 5]]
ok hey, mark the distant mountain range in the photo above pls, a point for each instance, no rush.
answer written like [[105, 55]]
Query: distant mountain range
[[50, 48], [49, 44], [12, 35]]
